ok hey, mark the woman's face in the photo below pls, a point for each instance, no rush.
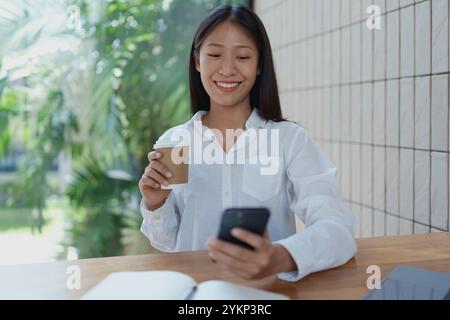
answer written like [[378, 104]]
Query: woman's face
[[228, 64]]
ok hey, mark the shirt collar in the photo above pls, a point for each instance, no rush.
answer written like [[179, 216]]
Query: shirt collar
[[254, 120]]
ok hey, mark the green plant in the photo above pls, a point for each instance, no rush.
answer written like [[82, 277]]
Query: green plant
[[118, 82]]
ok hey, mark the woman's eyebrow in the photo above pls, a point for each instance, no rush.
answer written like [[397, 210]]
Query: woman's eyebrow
[[237, 46]]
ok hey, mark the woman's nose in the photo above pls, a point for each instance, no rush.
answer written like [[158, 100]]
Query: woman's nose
[[228, 67]]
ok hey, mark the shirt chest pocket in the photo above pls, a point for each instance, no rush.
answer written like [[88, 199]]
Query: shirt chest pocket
[[258, 185]]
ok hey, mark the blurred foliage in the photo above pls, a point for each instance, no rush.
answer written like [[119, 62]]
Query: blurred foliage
[[117, 78]]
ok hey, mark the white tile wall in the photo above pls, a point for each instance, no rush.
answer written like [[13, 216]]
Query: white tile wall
[[440, 36], [392, 112], [439, 190], [392, 223], [367, 113], [407, 41], [355, 112], [379, 51], [392, 44], [378, 223], [377, 102], [407, 112], [392, 180], [422, 38], [379, 175], [367, 175], [439, 112], [422, 112], [379, 106], [406, 183], [367, 222], [421, 186], [355, 42], [355, 182]]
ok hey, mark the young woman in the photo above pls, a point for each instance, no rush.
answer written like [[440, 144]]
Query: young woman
[[233, 86]]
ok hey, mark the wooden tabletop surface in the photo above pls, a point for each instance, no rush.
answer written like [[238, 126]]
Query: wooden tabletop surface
[[48, 280]]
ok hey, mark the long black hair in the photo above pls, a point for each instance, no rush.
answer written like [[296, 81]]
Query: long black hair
[[264, 94]]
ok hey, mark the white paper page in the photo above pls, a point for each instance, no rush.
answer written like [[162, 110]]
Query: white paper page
[[222, 290], [142, 285]]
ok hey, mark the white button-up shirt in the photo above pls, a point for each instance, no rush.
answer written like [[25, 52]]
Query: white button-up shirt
[[305, 185]]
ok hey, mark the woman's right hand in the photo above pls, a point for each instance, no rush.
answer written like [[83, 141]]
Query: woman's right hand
[[155, 175]]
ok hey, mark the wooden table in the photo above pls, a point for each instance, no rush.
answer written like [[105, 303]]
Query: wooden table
[[48, 280]]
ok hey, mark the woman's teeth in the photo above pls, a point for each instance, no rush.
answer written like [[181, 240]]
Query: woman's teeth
[[227, 86]]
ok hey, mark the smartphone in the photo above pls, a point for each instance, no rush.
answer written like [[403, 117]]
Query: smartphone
[[252, 219]]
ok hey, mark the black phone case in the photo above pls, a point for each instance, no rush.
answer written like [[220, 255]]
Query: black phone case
[[252, 219]]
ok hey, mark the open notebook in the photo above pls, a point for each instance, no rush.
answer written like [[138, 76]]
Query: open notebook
[[170, 285]]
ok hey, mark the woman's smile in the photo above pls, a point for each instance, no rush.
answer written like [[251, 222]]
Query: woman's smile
[[228, 86]]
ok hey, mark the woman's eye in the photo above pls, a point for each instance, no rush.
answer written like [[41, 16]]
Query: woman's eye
[[243, 58], [214, 55]]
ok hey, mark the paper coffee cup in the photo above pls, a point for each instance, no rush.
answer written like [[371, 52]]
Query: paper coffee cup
[[176, 158]]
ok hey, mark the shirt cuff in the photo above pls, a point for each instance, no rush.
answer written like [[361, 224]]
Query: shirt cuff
[[301, 255], [157, 216]]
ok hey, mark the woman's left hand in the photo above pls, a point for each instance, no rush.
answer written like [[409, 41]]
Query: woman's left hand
[[267, 259]]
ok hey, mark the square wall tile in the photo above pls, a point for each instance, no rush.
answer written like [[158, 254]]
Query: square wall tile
[[367, 113], [345, 113], [392, 180], [393, 44], [406, 227], [420, 228], [439, 112], [406, 2], [367, 175], [355, 66], [407, 41], [355, 173], [345, 169], [367, 53], [407, 113], [335, 14], [355, 114], [345, 12], [335, 57], [423, 38], [326, 77], [379, 53], [392, 225], [366, 222], [379, 105], [326, 113], [440, 36], [379, 175], [357, 211], [406, 183], [421, 186], [379, 218], [335, 114], [392, 112], [345, 55], [439, 190], [422, 113], [392, 5]]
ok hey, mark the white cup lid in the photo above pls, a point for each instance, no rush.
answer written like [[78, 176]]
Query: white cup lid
[[168, 144]]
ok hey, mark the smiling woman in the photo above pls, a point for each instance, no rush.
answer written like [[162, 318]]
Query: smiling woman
[[233, 87]]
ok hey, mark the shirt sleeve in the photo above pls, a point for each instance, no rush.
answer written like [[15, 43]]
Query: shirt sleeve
[[160, 226], [327, 240]]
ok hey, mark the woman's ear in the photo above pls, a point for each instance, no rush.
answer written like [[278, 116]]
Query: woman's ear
[[197, 61]]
